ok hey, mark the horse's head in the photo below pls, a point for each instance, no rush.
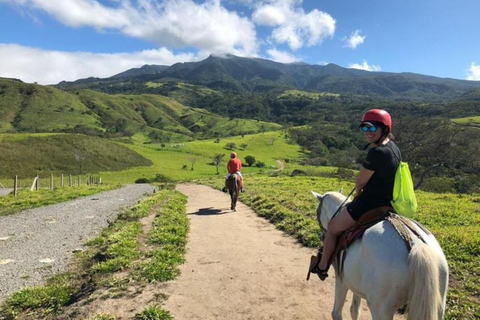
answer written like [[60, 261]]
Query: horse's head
[[328, 206]]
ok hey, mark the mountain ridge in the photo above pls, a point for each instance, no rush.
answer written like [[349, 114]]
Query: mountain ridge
[[256, 75]]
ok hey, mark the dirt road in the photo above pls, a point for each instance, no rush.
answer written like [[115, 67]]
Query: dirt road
[[240, 267]]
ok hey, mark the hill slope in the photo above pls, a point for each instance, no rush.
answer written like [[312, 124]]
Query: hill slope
[[35, 108]]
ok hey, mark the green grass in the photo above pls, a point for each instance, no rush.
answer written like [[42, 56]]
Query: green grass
[[453, 219], [43, 155], [153, 313], [32, 199], [471, 121], [174, 160], [310, 95], [116, 249]]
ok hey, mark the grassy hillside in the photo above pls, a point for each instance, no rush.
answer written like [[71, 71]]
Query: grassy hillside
[[28, 155], [470, 121], [174, 161], [35, 108]]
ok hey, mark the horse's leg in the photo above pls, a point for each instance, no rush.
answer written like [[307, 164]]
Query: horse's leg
[[381, 312], [340, 296], [355, 307]]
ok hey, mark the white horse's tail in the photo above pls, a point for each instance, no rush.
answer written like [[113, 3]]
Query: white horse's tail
[[424, 298]]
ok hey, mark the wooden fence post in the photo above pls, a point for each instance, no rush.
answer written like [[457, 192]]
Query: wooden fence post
[[79, 180], [51, 181], [15, 185], [61, 183], [70, 180], [34, 184]]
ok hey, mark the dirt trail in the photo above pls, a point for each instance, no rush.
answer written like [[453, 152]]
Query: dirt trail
[[240, 267]]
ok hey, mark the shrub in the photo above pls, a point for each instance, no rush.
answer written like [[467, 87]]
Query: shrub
[[160, 178], [141, 180], [250, 160], [260, 164]]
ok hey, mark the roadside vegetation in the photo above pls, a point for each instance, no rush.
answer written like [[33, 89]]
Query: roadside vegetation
[[143, 246], [454, 219], [27, 199]]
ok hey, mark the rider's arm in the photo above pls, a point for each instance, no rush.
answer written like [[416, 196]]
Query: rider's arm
[[363, 176]]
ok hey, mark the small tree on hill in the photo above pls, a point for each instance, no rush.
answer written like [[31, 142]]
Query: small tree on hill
[[217, 160], [250, 160], [243, 146], [231, 146], [192, 161]]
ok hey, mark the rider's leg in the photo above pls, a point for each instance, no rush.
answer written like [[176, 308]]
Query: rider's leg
[[225, 184], [340, 223]]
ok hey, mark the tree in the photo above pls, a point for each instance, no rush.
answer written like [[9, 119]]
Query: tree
[[80, 157], [231, 146], [217, 160], [433, 146], [243, 146], [192, 161], [250, 160]]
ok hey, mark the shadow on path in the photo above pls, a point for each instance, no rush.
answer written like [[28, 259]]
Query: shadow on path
[[209, 211]]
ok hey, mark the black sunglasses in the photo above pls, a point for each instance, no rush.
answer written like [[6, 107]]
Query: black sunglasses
[[368, 128]]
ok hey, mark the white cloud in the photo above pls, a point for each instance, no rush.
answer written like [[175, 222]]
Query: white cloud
[[292, 25], [281, 56], [365, 66], [51, 67], [355, 39], [173, 23], [474, 72]]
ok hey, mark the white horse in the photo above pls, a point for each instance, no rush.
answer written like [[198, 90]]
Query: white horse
[[380, 268]]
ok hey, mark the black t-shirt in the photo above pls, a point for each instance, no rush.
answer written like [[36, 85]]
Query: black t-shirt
[[384, 160]]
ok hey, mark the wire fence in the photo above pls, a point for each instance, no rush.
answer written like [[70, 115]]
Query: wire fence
[[53, 182]]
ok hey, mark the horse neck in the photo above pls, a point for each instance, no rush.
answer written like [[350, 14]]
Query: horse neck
[[331, 204]]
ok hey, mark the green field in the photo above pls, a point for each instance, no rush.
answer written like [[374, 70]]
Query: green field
[[470, 121], [307, 94], [174, 161]]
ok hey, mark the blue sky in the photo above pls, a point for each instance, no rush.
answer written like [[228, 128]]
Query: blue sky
[[47, 41]]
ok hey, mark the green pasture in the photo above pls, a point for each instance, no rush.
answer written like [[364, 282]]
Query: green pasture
[[306, 94], [174, 160], [471, 121], [454, 219], [29, 155]]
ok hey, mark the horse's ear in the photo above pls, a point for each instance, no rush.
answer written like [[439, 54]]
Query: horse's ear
[[317, 195]]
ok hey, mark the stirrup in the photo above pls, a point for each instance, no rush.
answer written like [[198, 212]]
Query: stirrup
[[314, 268]]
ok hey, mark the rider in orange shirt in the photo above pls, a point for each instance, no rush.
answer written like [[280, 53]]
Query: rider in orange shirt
[[234, 165]]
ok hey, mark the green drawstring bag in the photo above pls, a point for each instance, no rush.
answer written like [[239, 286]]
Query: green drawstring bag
[[404, 201]]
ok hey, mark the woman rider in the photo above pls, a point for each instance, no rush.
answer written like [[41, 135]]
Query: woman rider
[[373, 186]]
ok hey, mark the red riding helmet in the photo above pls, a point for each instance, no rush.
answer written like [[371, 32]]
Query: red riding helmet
[[378, 115], [233, 155]]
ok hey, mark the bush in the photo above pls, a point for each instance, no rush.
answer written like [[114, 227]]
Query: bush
[[160, 178], [345, 174], [260, 164], [141, 180], [250, 160], [439, 185]]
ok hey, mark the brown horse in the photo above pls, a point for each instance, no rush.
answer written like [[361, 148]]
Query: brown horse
[[233, 186]]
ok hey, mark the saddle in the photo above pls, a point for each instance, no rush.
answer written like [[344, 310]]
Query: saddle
[[401, 224]]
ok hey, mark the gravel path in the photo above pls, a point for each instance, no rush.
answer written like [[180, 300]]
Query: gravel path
[[36, 243]]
